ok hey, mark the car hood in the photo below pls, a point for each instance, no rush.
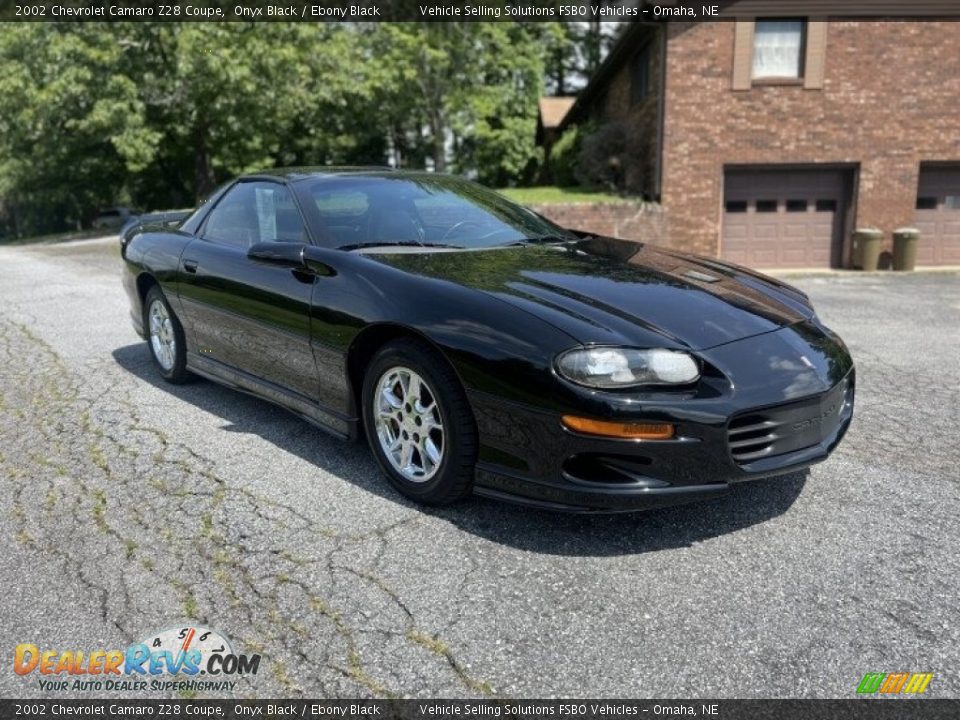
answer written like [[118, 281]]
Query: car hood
[[604, 290]]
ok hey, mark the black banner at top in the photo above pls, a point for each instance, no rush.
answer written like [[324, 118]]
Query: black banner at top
[[458, 10]]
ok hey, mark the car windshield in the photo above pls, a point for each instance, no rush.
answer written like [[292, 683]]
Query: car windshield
[[358, 211]]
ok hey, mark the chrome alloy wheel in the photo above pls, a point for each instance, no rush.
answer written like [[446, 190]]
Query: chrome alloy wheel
[[162, 338], [409, 424]]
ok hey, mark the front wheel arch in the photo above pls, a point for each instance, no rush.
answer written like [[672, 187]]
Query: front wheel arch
[[447, 412], [367, 343]]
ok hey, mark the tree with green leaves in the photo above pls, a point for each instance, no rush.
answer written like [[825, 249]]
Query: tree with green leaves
[[69, 124], [469, 87], [155, 115]]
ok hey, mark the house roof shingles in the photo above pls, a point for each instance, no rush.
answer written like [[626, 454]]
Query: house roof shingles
[[553, 110]]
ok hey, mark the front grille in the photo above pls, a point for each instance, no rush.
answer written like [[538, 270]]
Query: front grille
[[784, 429]]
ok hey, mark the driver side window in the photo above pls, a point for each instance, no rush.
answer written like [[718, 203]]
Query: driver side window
[[255, 212]]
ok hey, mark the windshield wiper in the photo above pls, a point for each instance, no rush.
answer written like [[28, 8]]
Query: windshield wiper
[[397, 243], [543, 240]]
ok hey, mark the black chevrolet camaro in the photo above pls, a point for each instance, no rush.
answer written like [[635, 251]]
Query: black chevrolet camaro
[[481, 348]]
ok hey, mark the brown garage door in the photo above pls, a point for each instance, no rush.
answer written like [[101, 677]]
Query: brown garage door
[[937, 216], [783, 218]]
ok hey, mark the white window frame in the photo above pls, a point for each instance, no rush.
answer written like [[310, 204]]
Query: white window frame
[[783, 60]]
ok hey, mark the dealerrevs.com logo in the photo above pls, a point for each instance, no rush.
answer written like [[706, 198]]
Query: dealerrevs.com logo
[[171, 660], [898, 683]]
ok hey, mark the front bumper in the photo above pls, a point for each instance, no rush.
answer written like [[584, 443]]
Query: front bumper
[[767, 424]]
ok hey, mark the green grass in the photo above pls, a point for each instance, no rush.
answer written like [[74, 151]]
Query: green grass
[[554, 194]]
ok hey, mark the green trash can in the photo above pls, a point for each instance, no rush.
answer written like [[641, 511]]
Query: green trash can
[[905, 248], [866, 248]]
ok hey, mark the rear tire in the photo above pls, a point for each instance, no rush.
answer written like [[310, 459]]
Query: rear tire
[[165, 339], [419, 424]]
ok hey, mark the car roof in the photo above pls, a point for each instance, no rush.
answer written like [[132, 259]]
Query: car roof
[[294, 174]]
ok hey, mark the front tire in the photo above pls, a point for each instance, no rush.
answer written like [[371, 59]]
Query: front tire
[[165, 338], [419, 424]]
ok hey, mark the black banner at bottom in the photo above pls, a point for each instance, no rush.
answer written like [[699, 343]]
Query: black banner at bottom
[[855, 709]]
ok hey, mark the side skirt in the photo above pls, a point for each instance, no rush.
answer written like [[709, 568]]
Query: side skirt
[[340, 426]]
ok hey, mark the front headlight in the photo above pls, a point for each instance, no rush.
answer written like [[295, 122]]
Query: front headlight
[[609, 367]]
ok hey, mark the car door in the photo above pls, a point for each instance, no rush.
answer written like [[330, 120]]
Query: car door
[[242, 313]]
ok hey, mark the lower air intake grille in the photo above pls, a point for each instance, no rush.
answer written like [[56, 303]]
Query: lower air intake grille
[[752, 437], [782, 429]]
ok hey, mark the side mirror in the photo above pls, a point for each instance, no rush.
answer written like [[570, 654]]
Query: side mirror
[[278, 253], [321, 261]]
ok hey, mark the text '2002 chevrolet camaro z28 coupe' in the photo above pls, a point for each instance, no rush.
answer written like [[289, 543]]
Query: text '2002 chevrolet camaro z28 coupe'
[[481, 348]]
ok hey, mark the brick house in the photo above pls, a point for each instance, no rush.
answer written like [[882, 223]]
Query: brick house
[[767, 140]]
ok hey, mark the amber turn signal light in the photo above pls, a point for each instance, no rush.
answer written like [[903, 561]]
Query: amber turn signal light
[[628, 430]]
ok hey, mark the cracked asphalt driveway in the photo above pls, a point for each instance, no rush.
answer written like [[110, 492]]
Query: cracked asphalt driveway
[[129, 505]]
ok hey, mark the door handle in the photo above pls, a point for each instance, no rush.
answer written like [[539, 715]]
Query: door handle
[[190, 266]]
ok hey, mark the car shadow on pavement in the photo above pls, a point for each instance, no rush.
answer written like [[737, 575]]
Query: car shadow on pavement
[[538, 531]]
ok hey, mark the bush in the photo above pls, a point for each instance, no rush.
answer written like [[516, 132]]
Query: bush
[[600, 161], [563, 157]]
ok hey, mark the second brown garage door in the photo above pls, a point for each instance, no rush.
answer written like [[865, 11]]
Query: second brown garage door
[[938, 216], [783, 218]]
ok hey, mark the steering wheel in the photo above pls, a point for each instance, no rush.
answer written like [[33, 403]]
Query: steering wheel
[[459, 226]]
